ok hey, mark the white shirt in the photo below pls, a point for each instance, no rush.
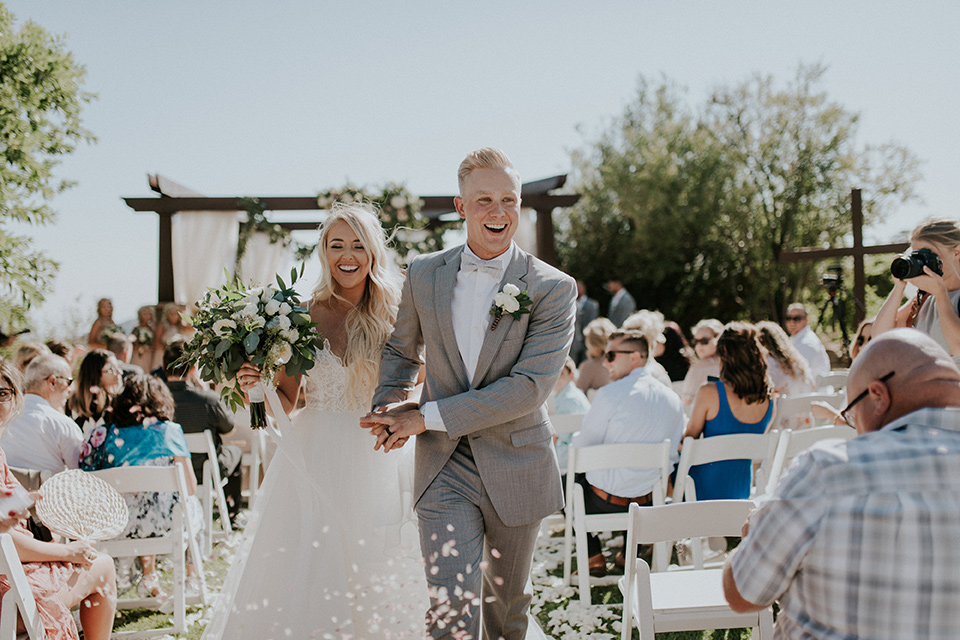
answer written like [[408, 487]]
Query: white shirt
[[810, 347], [42, 438], [635, 408], [470, 311]]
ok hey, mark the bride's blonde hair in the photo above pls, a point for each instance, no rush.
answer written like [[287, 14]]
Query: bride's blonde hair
[[370, 323]]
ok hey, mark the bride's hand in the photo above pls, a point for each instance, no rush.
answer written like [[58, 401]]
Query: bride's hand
[[248, 376], [393, 425]]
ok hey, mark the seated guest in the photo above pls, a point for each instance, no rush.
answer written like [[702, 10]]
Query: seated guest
[[633, 407], [806, 341], [142, 433], [741, 401], [863, 336], [61, 576], [566, 399], [593, 374], [859, 540], [674, 353], [120, 346], [99, 380], [197, 410], [707, 365], [789, 371], [27, 351], [63, 349], [650, 324], [42, 437]]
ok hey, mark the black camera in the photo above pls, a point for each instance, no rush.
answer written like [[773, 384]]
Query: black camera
[[912, 266], [833, 279]]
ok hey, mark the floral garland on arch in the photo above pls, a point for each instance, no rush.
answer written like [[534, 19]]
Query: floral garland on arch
[[400, 213]]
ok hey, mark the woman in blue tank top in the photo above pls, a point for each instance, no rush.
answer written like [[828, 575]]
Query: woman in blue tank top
[[739, 402]]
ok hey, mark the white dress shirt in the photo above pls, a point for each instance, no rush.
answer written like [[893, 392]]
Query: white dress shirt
[[470, 310], [810, 347], [42, 438], [635, 408]]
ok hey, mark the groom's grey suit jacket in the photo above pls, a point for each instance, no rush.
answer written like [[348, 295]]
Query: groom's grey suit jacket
[[502, 412]]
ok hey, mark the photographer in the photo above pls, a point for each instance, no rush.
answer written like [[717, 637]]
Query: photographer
[[932, 265]]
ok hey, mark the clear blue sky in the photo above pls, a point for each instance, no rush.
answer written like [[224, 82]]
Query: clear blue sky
[[291, 97]]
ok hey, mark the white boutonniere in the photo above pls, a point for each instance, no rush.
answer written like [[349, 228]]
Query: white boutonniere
[[510, 301]]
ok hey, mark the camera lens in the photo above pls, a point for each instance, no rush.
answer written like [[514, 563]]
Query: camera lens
[[905, 268]]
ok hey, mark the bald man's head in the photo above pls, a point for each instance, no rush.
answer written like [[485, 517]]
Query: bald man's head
[[923, 375]]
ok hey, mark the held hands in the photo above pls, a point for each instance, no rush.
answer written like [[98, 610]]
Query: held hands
[[81, 552], [392, 425]]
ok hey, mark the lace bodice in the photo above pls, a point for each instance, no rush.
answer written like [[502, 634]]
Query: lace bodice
[[325, 386]]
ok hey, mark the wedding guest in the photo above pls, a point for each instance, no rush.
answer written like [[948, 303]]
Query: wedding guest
[[650, 324], [27, 351], [588, 310], [622, 303], [146, 352], [705, 334], [61, 576], [120, 346], [63, 349], [142, 433], [103, 322], [632, 408], [172, 325], [806, 341], [99, 380], [592, 373], [862, 338], [789, 371], [740, 401], [566, 399], [198, 410], [674, 353], [42, 437]]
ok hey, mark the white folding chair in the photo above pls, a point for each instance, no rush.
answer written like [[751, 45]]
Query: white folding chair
[[19, 598], [251, 461], [165, 480], [835, 379], [563, 424], [596, 458], [683, 600], [793, 442], [757, 447], [793, 412], [209, 488]]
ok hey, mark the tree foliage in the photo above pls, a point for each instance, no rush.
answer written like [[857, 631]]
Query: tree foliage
[[41, 98], [693, 207]]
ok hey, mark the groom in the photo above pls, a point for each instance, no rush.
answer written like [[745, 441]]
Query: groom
[[486, 472]]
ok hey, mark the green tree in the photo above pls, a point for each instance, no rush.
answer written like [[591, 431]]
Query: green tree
[[694, 206], [41, 98]]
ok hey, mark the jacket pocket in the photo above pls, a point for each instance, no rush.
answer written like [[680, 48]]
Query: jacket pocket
[[537, 433]]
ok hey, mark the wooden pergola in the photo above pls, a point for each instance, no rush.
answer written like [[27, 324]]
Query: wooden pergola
[[175, 198]]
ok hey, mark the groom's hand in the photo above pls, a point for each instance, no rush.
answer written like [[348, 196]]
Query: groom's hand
[[394, 424]]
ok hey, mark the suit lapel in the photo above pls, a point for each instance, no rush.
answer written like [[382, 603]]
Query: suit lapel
[[446, 279], [516, 273]]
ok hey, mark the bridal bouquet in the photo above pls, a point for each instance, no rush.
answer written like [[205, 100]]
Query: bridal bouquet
[[265, 326]]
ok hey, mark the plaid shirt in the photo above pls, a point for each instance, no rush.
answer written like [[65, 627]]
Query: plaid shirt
[[862, 538]]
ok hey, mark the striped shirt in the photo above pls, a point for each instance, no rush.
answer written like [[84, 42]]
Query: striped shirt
[[862, 538]]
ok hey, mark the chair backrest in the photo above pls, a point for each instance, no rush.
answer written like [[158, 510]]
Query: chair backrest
[[758, 447], [835, 379], [567, 423], [19, 599], [794, 411], [201, 442], [793, 442], [689, 520], [625, 455]]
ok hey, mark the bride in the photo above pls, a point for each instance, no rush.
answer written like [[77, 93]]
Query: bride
[[331, 548]]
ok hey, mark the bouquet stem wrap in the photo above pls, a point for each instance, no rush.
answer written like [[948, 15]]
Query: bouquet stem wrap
[[258, 410]]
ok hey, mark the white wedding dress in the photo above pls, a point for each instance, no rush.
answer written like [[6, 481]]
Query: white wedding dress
[[331, 548]]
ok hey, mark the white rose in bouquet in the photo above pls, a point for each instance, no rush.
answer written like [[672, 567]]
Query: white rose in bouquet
[[271, 307], [398, 202], [224, 326], [283, 322], [285, 309], [267, 294], [284, 352]]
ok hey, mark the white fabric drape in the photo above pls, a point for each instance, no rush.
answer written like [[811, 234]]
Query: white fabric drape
[[204, 243], [262, 261]]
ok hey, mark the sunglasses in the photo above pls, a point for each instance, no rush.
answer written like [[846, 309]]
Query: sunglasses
[[6, 394], [795, 318], [612, 355], [844, 413], [69, 380], [697, 341]]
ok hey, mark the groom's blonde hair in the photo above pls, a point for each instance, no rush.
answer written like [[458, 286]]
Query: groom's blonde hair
[[486, 158], [369, 323]]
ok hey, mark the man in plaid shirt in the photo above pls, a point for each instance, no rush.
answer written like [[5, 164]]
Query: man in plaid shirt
[[860, 539]]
